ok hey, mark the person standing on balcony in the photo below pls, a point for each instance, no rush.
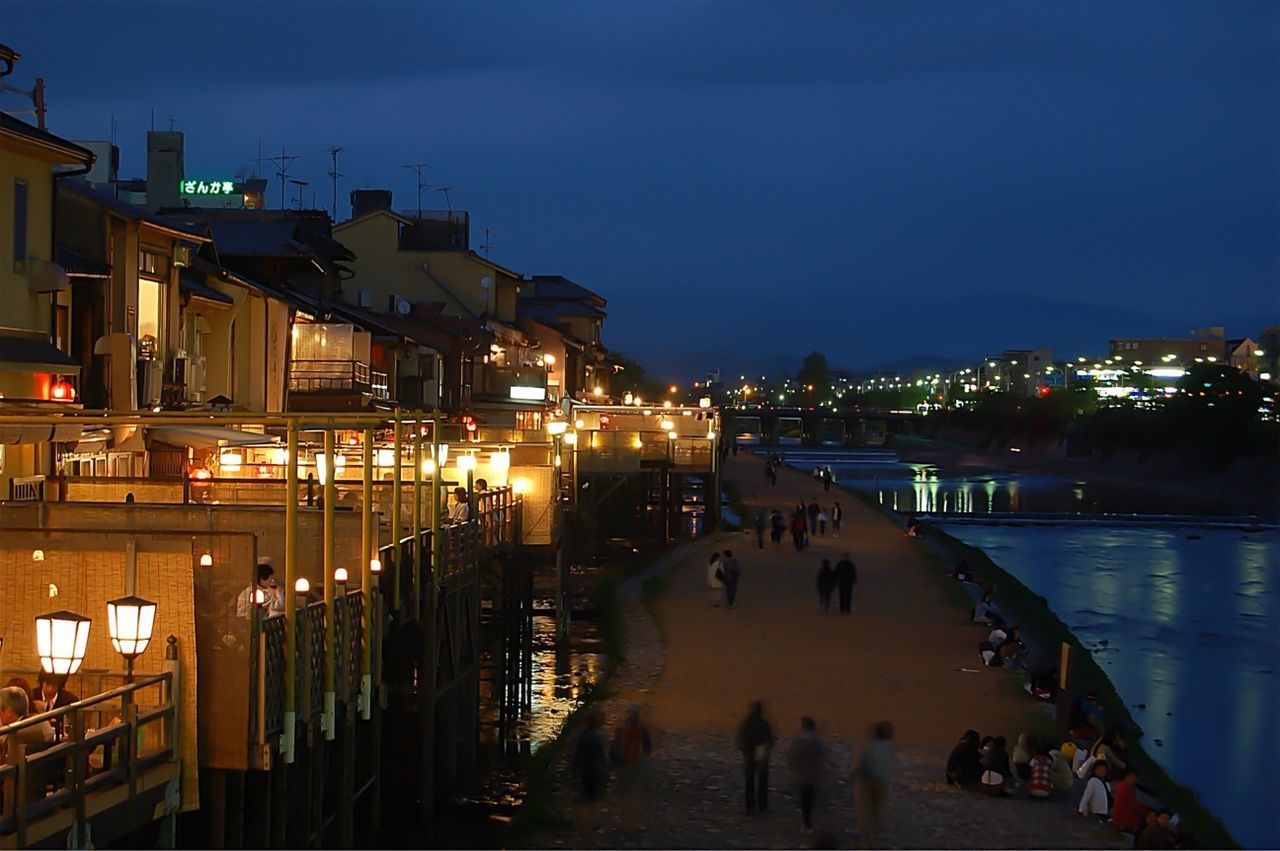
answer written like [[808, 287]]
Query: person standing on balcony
[[460, 510]]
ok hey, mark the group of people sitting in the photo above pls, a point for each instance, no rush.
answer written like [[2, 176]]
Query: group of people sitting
[[1037, 769], [1003, 646]]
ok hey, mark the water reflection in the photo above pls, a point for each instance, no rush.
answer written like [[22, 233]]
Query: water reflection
[[1191, 621]]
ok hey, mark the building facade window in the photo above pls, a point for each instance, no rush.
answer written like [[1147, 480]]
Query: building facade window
[[20, 226]]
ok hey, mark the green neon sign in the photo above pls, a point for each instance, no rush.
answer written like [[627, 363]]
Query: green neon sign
[[207, 187]]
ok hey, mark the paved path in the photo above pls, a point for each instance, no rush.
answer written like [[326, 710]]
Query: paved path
[[895, 657]]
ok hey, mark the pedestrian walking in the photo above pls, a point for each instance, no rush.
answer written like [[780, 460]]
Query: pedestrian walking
[[826, 479], [871, 782], [846, 578], [732, 573], [760, 522], [778, 528], [755, 741], [805, 764], [715, 580], [591, 768], [629, 752], [797, 529], [812, 511], [826, 584], [837, 514], [822, 523]]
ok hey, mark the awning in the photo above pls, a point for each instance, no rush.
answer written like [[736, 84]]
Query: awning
[[12, 435], [33, 354], [208, 437]]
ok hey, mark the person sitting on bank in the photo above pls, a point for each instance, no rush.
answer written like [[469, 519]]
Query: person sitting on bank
[[1127, 812], [460, 510], [1041, 782], [1064, 779], [995, 768], [913, 527], [1094, 801], [1157, 834], [1086, 719], [964, 765], [14, 706], [986, 611], [1012, 650], [1110, 746], [962, 572]]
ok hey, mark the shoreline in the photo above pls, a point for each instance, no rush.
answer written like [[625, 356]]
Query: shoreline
[[1044, 629]]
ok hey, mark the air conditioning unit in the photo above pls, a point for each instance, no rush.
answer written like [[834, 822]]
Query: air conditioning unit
[[152, 382], [182, 255], [196, 379], [364, 298]]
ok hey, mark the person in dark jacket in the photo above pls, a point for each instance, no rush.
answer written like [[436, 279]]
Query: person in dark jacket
[[797, 529], [589, 760], [995, 768], [846, 578], [964, 766], [732, 573], [826, 584], [760, 522], [812, 511], [778, 527], [755, 741]]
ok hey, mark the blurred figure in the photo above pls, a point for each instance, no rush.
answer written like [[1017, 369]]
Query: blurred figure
[[15, 704], [846, 578], [591, 768], [964, 765], [755, 741], [871, 779], [778, 528], [805, 764], [995, 768], [826, 479], [715, 580], [51, 694], [1127, 812], [826, 584], [732, 573], [1157, 834], [822, 522], [812, 511], [629, 752], [460, 510], [760, 522], [798, 529], [837, 514]]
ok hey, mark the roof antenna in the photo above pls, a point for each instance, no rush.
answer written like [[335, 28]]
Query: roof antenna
[[418, 167], [334, 175], [488, 245], [282, 164], [447, 202]]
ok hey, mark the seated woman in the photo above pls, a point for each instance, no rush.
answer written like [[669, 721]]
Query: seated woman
[[1064, 779], [1013, 652], [1094, 801], [983, 612], [1021, 758], [964, 765], [1041, 782], [995, 768]]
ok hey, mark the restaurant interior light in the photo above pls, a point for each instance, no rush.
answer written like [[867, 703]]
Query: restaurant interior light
[[37, 555], [428, 467], [130, 621], [704, 402], [322, 468], [672, 435], [521, 485], [597, 391], [375, 565], [386, 458], [466, 463], [340, 576], [61, 641], [302, 586], [206, 559], [231, 460]]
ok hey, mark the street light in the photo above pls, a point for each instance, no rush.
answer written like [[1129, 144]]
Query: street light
[[340, 576], [61, 641], [130, 621], [555, 428]]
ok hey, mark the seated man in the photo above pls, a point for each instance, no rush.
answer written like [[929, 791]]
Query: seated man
[[51, 693], [14, 706], [986, 611]]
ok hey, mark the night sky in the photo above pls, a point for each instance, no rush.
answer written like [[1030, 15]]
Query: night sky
[[746, 182]]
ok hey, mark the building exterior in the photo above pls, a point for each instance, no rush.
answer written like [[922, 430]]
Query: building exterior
[[36, 367], [1205, 343], [566, 318]]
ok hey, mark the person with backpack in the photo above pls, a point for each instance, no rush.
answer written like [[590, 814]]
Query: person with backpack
[[629, 752], [715, 580]]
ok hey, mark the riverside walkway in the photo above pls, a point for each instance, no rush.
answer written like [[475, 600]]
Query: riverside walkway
[[896, 657]]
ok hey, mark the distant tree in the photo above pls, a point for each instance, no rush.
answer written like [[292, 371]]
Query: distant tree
[[814, 372]]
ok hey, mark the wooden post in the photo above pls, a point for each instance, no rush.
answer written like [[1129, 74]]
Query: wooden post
[[1066, 657], [397, 499], [427, 676], [288, 740], [217, 808], [328, 718], [368, 550], [416, 596]]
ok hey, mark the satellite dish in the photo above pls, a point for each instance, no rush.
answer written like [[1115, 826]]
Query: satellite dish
[[403, 306], [486, 282]]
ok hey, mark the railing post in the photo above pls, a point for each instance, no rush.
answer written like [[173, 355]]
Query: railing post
[[416, 595], [368, 549], [81, 757], [172, 693], [429, 663], [288, 739], [19, 759], [330, 558], [397, 500]]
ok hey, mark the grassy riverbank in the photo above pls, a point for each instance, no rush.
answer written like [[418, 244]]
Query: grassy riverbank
[[1045, 632]]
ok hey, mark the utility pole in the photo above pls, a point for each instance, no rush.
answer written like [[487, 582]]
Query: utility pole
[[282, 164], [334, 175], [417, 169]]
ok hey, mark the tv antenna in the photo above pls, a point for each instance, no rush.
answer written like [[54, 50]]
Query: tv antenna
[[302, 185], [447, 201], [334, 175], [488, 245], [417, 169], [282, 164]]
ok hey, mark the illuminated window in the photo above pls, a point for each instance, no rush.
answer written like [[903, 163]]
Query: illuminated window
[[149, 299]]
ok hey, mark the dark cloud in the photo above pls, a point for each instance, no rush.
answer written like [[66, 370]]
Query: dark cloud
[[801, 174]]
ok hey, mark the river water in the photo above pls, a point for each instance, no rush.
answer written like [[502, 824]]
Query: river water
[[1183, 614]]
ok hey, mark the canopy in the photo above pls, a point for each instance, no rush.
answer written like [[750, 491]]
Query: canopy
[[208, 437], [15, 434]]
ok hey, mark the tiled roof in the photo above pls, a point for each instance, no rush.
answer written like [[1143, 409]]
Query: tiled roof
[[257, 238], [134, 213], [560, 288], [193, 283], [33, 352], [10, 126]]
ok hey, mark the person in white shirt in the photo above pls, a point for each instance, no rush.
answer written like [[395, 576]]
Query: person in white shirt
[[265, 585], [715, 579], [460, 510], [1094, 801]]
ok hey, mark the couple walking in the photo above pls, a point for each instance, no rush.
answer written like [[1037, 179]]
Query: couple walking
[[723, 573], [843, 577]]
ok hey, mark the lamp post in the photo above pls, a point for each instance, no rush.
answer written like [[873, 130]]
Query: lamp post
[[130, 621], [61, 641]]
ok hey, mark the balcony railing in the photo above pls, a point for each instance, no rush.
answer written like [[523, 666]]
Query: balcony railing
[[336, 376]]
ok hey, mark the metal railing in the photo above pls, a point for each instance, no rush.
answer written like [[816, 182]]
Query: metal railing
[[328, 376], [27, 489], [79, 772]]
